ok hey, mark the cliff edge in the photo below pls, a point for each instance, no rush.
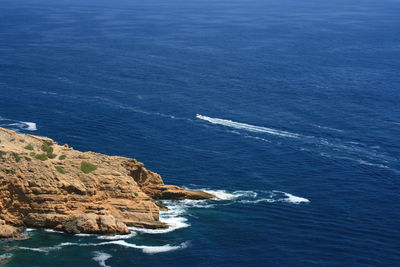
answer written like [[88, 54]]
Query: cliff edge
[[47, 185]]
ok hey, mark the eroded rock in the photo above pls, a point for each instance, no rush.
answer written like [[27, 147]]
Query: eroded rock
[[92, 223], [8, 231], [43, 184]]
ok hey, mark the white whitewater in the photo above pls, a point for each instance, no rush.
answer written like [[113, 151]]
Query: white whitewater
[[123, 243], [101, 258], [18, 125]]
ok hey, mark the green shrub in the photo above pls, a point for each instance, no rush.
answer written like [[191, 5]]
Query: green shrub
[[32, 154], [60, 169], [62, 157], [16, 157], [87, 167], [47, 148], [29, 147], [49, 143], [41, 157], [51, 155]]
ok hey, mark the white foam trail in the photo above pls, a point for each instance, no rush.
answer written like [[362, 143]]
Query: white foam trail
[[247, 127], [103, 237], [292, 198], [53, 231], [85, 235], [149, 249], [363, 162], [327, 128], [29, 126], [145, 249], [48, 249], [183, 205], [176, 209], [101, 258], [246, 201], [175, 222], [24, 125], [351, 148], [224, 195], [295, 199], [250, 197], [116, 237], [30, 229]]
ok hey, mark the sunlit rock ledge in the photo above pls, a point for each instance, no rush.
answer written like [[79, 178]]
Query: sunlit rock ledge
[[47, 185]]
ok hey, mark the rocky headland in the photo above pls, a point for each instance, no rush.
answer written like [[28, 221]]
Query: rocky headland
[[47, 185]]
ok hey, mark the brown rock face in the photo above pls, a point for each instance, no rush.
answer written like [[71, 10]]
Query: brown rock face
[[94, 224], [43, 184], [8, 231]]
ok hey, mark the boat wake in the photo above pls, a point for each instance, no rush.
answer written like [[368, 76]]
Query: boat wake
[[247, 127], [327, 147]]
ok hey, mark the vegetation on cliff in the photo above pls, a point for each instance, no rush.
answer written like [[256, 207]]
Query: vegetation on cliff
[[77, 192]]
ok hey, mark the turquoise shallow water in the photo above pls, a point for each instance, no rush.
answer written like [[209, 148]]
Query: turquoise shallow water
[[287, 110]]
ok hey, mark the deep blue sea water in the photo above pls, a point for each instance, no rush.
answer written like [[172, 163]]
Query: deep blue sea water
[[298, 129]]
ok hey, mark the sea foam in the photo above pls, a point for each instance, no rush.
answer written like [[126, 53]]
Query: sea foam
[[249, 197], [123, 243], [294, 199], [172, 217], [18, 125], [116, 237], [101, 258], [24, 125], [148, 249]]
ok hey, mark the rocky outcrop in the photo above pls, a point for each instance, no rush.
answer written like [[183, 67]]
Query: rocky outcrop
[[151, 183], [9, 232], [43, 184], [94, 224]]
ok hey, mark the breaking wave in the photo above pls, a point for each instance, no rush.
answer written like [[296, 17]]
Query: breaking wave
[[172, 217], [17, 125], [178, 209], [175, 217]]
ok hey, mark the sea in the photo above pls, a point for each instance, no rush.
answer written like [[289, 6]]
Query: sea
[[287, 110]]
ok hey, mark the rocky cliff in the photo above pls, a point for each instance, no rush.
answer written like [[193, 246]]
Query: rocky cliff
[[43, 184]]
